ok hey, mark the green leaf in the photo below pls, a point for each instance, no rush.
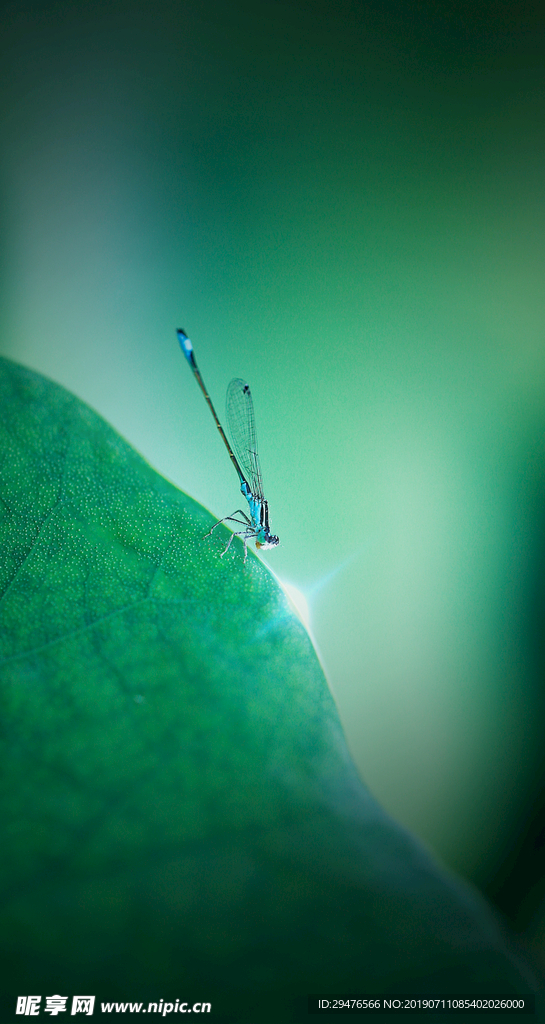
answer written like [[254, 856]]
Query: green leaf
[[181, 816]]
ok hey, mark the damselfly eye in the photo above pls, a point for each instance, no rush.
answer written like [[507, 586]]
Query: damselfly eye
[[271, 542]]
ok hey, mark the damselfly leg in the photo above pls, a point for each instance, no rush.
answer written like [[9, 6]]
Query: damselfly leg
[[247, 533]]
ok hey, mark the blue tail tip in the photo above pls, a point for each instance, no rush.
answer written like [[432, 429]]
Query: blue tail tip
[[185, 345]]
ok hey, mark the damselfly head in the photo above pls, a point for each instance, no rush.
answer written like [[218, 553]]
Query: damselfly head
[[270, 542]]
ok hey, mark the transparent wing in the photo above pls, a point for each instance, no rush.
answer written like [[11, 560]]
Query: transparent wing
[[240, 417]]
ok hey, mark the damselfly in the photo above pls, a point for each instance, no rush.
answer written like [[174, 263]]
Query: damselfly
[[241, 420]]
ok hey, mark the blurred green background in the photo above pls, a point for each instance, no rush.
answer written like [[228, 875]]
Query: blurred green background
[[344, 203]]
